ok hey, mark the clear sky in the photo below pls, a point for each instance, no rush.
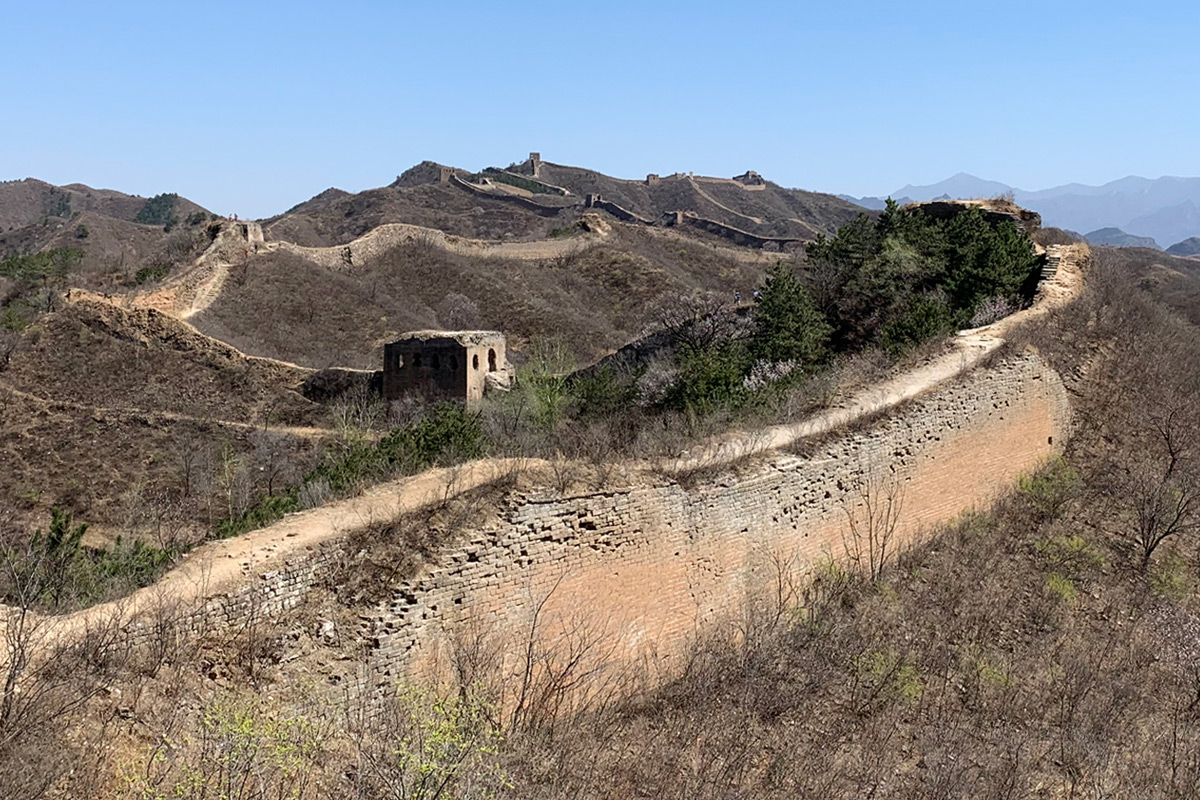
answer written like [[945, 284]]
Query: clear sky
[[253, 107]]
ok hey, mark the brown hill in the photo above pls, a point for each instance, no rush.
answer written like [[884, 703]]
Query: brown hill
[[746, 202], [118, 234], [106, 409], [28, 201], [497, 204], [335, 217], [96, 354], [596, 297], [1174, 280]]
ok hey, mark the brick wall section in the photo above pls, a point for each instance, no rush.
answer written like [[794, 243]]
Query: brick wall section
[[644, 568], [541, 209], [640, 570]]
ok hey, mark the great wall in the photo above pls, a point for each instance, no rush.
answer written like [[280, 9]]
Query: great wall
[[750, 181], [655, 556]]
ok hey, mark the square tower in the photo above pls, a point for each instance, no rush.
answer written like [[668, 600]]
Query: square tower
[[445, 365]]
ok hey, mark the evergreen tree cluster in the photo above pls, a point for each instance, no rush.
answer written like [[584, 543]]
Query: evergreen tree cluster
[[907, 277], [893, 282], [158, 210]]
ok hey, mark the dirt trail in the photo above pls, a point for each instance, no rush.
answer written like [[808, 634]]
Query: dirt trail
[[208, 290], [209, 569], [696, 185], [379, 240], [308, 432], [719, 204], [967, 349], [215, 567]]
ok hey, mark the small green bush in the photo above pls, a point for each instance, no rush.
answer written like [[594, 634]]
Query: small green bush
[[926, 317], [157, 210], [604, 393], [447, 433], [152, 273], [710, 378], [1069, 554], [1062, 587], [1049, 491]]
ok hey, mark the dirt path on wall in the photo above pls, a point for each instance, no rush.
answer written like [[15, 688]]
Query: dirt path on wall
[[215, 567], [208, 290], [968, 349], [218, 565], [394, 233], [719, 204], [202, 283], [391, 234]]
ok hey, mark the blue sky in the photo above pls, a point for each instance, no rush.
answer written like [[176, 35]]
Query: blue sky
[[253, 107]]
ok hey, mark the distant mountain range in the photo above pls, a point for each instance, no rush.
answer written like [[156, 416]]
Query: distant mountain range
[[1188, 247], [1115, 237], [1165, 209]]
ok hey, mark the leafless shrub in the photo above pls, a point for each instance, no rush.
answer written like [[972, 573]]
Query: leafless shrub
[[563, 667], [698, 320], [873, 511], [8, 345], [315, 493], [357, 410], [458, 312], [991, 309]]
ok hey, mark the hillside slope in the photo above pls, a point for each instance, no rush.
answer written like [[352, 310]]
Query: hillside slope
[[117, 234], [498, 209], [596, 297], [746, 202], [1115, 237], [1188, 247], [105, 408]]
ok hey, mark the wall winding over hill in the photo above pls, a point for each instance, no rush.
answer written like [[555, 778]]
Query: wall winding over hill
[[639, 568], [643, 568]]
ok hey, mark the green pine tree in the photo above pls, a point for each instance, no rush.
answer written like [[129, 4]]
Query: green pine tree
[[787, 324]]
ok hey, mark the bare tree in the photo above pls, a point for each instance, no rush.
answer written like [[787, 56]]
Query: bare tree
[[45, 678], [458, 312], [873, 508], [8, 345], [697, 320]]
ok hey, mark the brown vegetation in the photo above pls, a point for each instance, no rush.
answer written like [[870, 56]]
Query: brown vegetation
[[595, 300]]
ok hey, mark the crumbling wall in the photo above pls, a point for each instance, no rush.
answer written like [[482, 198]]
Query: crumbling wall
[[642, 569], [735, 235], [524, 202], [623, 214]]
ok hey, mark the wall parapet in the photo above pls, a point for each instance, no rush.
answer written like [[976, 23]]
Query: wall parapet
[[646, 566], [524, 202]]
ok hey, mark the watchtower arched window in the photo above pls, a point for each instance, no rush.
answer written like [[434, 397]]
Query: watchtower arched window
[[454, 363], [416, 359], [399, 361], [491, 360], [475, 361], [435, 362]]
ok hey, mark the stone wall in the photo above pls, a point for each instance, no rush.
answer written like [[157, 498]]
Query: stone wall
[[525, 202], [623, 214], [642, 569], [735, 235]]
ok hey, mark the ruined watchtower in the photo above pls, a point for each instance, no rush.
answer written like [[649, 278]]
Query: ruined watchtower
[[445, 365]]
